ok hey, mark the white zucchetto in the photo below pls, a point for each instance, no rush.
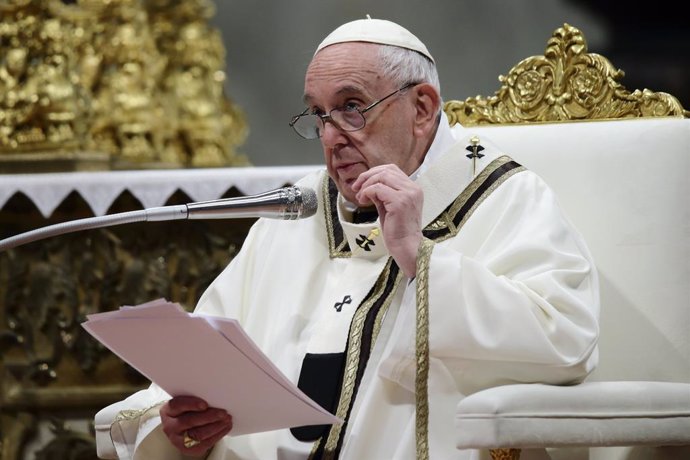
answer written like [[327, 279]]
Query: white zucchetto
[[378, 31]]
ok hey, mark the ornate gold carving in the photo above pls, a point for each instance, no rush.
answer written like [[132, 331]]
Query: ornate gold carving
[[209, 126], [122, 83], [129, 120], [566, 83], [49, 365], [41, 106], [504, 454]]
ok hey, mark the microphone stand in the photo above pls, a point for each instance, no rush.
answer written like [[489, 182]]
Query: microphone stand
[[286, 203], [83, 224]]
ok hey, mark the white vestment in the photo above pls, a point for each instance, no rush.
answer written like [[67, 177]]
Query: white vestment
[[512, 297]]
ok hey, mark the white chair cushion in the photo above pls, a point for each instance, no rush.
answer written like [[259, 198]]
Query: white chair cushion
[[622, 413]]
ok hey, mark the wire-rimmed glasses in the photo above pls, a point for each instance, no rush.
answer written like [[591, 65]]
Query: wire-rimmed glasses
[[346, 118]]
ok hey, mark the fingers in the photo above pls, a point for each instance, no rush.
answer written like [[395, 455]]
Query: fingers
[[210, 434], [399, 202], [213, 431], [193, 427], [388, 175], [181, 404], [387, 198], [389, 189], [203, 437]]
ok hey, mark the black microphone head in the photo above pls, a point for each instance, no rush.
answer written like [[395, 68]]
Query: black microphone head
[[309, 203]]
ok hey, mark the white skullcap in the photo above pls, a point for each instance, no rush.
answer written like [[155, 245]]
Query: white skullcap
[[375, 31]]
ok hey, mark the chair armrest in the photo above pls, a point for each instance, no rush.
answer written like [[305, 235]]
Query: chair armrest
[[622, 413]]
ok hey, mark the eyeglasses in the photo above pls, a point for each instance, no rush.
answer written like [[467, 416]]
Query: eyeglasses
[[347, 118]]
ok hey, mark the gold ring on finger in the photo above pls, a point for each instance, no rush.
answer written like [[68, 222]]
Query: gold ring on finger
[[189, 441]]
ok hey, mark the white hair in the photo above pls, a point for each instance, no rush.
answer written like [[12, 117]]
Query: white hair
[[407, 66]]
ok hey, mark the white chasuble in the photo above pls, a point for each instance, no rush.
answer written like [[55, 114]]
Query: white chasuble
[[512, 297]]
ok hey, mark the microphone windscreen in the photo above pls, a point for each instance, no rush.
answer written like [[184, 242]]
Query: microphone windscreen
[[309, 202]]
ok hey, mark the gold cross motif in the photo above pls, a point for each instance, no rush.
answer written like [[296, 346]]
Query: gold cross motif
[[365, 241], [474, 148]]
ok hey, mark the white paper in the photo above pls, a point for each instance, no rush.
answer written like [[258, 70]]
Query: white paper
[[209, 357]]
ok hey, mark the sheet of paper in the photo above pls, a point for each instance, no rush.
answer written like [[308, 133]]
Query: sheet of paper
[[233, 332], [214, 359], [155, 308]]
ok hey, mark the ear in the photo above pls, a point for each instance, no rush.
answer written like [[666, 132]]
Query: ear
[[427, 104]]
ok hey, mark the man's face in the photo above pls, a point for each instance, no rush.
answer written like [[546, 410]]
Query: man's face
[[348, 73]]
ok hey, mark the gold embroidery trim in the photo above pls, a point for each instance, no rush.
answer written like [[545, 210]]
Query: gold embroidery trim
[[378, 321], [445, 220], [127, 415], [131, 414], [422, 350], [352, 359], [338, 251]]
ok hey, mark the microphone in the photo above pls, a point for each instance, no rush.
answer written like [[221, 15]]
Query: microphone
[[287, 203]]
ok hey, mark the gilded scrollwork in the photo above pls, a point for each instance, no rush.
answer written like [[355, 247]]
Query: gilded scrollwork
[[566, 83], [122, 83], [209, 126], [128, 113], [505, 454], [41, 106]]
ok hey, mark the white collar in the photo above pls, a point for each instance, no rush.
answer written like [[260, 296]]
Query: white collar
[[443, 141]]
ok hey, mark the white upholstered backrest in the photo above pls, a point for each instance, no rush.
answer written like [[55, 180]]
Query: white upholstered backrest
[[625, 186]]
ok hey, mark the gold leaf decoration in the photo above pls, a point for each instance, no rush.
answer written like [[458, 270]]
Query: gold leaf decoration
[[566, 83], [92, 84]]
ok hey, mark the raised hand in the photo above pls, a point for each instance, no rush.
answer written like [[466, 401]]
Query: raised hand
[[399, 202]]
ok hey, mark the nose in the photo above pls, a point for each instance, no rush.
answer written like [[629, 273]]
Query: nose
[[331, 135]]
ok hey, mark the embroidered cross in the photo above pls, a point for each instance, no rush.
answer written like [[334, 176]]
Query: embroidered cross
[[339, 305], [474, 148], [365, 241]]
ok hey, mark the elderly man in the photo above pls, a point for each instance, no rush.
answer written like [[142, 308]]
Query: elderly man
[[428, 273]]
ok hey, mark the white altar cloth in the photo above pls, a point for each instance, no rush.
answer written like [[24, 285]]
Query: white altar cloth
[[151, 187]]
